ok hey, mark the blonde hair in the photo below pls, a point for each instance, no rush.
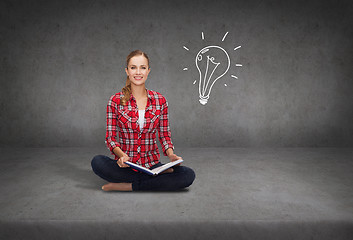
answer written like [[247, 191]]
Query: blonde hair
[[127, 89]]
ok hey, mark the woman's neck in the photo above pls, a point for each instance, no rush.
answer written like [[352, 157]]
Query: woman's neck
[[139, 91]]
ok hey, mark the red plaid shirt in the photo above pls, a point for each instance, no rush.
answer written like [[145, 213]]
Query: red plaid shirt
[[139, 144]]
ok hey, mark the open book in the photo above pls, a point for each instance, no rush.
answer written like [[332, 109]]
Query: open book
[[155, 171]]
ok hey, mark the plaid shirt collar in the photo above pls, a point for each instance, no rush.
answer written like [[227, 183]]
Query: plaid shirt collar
[[150, 100]]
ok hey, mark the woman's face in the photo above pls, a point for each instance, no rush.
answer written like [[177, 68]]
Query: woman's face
[[138, 70]]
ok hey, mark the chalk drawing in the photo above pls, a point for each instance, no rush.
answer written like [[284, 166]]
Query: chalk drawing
[[207, 73], [225, 35], [212, 63], [237, 48]]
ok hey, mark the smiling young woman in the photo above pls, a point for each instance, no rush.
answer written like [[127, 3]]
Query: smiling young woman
[[134, 115]]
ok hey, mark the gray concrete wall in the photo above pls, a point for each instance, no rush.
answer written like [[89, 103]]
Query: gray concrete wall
[[62, 60]]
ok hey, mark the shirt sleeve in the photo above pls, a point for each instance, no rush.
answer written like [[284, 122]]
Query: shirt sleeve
[[111, 132], [165, 136]]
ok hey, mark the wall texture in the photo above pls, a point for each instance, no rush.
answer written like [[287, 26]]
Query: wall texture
[[62, 60]]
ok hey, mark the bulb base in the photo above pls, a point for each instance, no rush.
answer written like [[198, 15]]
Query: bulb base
[[203, 101]]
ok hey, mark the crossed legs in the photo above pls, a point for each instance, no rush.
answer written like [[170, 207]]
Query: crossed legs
[[125, 179]]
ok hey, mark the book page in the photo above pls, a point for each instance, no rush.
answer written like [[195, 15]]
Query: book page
[[166, 166], [140, 168]]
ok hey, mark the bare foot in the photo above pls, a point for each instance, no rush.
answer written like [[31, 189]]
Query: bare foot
[[117, 187]]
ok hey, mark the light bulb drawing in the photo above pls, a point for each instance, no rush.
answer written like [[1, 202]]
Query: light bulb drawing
[[212, 63]]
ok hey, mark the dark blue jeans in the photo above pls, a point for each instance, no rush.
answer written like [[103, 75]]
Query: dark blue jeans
[[109, 170]]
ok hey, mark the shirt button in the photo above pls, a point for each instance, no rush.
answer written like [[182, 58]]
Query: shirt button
[[138, 149]]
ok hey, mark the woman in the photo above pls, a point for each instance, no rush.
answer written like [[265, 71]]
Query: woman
[[135, 114]]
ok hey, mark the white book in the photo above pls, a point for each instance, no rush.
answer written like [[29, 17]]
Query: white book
[[155, 171]]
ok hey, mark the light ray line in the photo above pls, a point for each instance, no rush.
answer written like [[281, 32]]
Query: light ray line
[[238, 65], [233, 76], [203, 37], [185, 69], [194, 82], [185, 48], [237, 48], [225, 36]]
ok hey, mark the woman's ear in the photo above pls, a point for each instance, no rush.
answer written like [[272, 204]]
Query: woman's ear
[[127, 73]]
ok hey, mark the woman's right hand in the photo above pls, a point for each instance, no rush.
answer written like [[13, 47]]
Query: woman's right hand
[[121, 161]]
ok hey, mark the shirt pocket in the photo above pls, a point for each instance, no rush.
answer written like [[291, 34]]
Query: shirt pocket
[[126, 119], [154, 119]]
